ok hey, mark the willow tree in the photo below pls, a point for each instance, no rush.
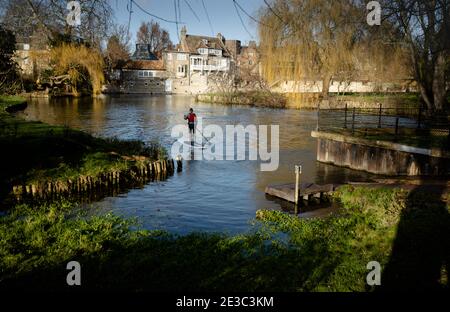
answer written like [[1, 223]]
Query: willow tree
[[309, 39], [75, 61]]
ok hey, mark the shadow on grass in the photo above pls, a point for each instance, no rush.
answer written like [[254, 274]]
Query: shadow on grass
[[421, 250]]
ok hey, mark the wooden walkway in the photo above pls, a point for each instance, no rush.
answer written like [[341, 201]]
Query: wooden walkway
[[307, 191]]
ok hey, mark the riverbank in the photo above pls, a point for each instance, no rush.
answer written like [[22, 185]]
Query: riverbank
[[405, 231], [252, 98], [314, 100], [9, 104], [354, 100], [39, 158]]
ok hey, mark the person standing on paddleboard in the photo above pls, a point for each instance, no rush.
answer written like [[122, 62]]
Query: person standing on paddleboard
[[192, 119]]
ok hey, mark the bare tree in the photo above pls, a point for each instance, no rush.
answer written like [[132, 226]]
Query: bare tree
[[425, 30], [118, 46], [24, 16], [158, 38], [223, 83]]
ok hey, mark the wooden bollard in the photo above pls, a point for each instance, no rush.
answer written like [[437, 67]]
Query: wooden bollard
[[298, 172], [179, 164], [149, 170]]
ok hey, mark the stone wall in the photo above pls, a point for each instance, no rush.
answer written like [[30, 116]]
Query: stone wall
[[149, 85], [380, 157]]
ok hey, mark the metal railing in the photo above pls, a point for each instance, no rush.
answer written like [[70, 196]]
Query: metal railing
[[401, 123]]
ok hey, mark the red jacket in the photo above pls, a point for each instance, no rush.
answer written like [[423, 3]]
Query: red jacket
[[191, 117]]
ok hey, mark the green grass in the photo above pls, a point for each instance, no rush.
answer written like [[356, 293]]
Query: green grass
[[10, 100], [412, 137], [405, 232], [411, 97], [255, 98]]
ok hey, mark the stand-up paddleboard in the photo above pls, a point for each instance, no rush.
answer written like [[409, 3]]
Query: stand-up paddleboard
[[194, 144]]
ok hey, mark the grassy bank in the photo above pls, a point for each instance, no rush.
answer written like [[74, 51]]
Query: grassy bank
[[9, 101], [423, 138], [359, 100], [253, 98], [311, 100], [34, 151], [406, 232], [400, 98]]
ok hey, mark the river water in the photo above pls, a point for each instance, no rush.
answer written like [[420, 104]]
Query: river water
[[207, 195]]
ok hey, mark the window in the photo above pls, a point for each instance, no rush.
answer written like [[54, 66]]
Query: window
[[203, 51], [216, 52], [145, 74], [196, 61], [181, 57]]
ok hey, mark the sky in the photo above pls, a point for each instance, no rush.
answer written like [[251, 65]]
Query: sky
[[222, 14]]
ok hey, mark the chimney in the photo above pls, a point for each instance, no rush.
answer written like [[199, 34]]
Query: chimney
[[221, 38]]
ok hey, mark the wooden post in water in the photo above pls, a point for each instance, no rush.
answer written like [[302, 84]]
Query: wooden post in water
[[353, 121], [179, 163], [396, 126], [379, 115], [318, 117], [298, 172], [419, 117], [345, 116]]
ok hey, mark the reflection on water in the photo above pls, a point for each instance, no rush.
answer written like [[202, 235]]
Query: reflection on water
[[207, 195]]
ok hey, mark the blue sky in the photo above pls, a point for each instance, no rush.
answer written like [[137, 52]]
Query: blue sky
[[222, 14]]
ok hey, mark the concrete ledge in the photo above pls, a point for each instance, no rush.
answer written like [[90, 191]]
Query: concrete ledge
[[435, 152], [380, 157]]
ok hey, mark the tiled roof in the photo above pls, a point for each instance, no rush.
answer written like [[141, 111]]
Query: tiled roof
[[145, 64], [193, 42]]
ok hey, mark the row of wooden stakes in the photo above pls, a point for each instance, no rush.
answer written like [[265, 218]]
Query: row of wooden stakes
[[138, 174]]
